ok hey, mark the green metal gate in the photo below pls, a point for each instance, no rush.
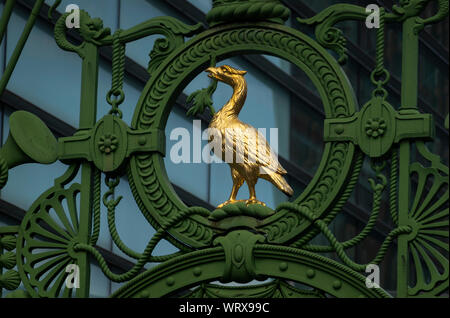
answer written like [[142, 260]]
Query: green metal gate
[[236, 243]]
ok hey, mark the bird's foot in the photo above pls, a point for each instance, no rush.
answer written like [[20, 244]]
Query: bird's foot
[[230, 202], [254, 201]]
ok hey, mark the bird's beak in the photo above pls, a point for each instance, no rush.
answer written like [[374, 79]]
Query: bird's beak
[[398, 10], [212, 72]]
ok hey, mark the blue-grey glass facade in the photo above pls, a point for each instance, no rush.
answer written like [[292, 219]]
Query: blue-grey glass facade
[[280, 96]]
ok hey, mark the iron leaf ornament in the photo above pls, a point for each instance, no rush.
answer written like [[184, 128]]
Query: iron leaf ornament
[[238, 241]]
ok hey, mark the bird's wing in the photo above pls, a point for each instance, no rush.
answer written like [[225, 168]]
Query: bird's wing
[[249, 146]]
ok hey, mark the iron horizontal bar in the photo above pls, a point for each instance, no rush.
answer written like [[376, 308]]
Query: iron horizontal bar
[[304, 177], [291, 83], [141, 74], [368, 63], [394, 86], [296, 172], [62, 129], [194, 14], [263, 64]]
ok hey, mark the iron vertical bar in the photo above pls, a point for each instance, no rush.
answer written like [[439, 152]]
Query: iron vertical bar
[[20, 45], [89, 87], [409, 96], [410, 66], [88, 117], [403, 208]]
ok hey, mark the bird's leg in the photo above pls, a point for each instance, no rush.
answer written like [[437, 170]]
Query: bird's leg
[[237, 184], [234, 191], [252, 199]]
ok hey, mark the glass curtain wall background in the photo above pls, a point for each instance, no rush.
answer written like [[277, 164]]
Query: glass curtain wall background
[[46, 82]]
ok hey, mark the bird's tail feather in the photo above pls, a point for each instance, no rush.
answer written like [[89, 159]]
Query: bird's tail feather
[[280, 182]]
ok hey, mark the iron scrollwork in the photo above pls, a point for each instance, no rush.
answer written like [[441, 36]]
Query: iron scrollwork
[[235, 242]]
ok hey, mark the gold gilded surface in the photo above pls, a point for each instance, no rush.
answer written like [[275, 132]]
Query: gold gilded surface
[[242, 146]]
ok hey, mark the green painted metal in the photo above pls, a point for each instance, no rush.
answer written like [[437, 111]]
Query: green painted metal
[[378, 127], [224, 41], [236, 243], [109, 143], [229, 11], [275, 289], [280, 262]]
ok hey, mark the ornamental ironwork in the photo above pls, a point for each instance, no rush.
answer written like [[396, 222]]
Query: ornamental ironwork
[[240, 241]]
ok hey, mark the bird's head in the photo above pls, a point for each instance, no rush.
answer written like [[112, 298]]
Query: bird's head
[[226, 74]]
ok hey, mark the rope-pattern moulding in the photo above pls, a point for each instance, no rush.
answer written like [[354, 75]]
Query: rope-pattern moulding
[[147, 174], [281, 262]]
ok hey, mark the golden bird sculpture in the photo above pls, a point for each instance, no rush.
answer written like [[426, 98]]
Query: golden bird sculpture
[[252, 156]]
